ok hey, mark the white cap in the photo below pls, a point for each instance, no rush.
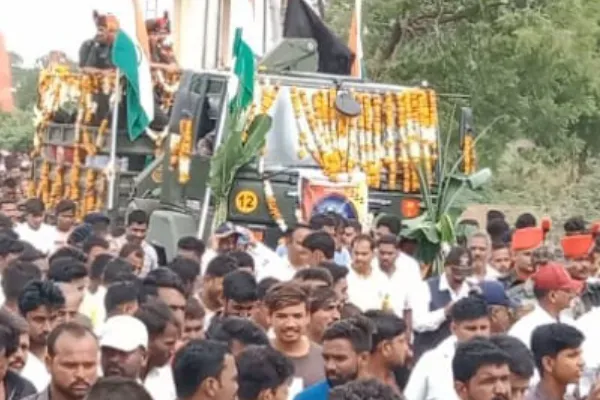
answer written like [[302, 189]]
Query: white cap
[[124, 333]]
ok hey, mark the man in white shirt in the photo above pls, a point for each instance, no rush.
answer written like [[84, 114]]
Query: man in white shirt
[[401, 278], [554, 289], [123, 347], [431, 310], [65, 212], [296, 257], [479, 247], [163, 334], [367, 286], [38, 303], [40, 235], [228, 237], [137, 229], [431, 378]]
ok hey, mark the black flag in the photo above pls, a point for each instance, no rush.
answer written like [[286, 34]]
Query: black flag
[[301, 21]]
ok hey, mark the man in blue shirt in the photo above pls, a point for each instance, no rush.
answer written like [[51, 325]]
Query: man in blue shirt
[[346, 347]]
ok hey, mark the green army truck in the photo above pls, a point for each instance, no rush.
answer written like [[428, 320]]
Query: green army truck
[[146, 178]]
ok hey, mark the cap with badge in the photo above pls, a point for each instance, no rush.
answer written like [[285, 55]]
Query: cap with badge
[[124, 333]]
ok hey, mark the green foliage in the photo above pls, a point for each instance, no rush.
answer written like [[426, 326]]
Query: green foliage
[[233, 154], [534, 62], [435, 228], [16, 131], [25, 82]]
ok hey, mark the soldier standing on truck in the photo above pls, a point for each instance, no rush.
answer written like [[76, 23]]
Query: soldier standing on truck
[[95, 57]]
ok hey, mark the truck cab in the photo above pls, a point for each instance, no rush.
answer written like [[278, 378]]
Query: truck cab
[[203, 95]]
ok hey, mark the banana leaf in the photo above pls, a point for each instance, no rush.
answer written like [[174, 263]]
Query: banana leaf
[[436, 227], [232, 154]]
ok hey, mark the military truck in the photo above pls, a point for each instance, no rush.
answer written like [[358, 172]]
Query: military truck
[[147, 178]]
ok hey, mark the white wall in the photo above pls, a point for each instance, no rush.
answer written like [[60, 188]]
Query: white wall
[[195, 51]]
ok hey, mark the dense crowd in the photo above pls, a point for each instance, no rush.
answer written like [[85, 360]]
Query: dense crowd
[[337, 311]]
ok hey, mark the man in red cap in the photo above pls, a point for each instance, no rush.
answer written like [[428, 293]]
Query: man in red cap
[[524, 242], [554, 289], [578, 252]]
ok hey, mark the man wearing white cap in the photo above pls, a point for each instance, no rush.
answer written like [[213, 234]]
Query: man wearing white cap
[[123, 346]]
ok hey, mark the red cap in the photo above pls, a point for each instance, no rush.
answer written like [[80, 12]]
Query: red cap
[[555, 277], [527, 238], [577, 246]]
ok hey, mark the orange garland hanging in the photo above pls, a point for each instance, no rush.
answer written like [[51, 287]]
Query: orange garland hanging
[[186, 148]]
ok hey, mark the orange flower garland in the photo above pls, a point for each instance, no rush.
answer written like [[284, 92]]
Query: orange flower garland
[[56, 190], [468, 154], [268, 96], [186, 148], [89, 195]]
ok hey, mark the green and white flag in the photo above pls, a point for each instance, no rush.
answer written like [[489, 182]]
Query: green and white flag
[[244, 69], [130, 54]]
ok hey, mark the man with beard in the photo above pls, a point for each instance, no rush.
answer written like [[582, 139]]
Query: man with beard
[[72, 361], [577, 250], [525, 241], [346, 348], [520, 363], [481, 371], [479, 247], [15, 386], [390, 347], [123, 347], [163, 334], [39, 303], [431, 321]]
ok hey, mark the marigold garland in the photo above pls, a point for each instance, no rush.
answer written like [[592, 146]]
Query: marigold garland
[[468, 150], [268, 95], [185, 150], [394, 136], [58, 86]]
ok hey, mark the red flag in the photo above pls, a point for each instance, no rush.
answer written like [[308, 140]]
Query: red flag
[[6, 97]]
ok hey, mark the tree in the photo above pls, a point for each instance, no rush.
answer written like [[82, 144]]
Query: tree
[[533, 61], [25, 83], [17, 130]]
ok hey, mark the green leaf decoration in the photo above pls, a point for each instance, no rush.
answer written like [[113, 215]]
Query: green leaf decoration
[[446, 228], [232, 154]]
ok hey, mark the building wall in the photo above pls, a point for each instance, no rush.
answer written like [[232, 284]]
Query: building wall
[[204, 30]]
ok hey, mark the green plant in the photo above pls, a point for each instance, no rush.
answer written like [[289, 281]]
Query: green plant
[[435, 228], [234, 153]]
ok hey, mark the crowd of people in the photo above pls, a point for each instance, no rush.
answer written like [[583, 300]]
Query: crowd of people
[[338, 311]]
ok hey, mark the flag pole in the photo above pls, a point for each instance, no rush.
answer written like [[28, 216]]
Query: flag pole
[[359, 55], [112, 163]]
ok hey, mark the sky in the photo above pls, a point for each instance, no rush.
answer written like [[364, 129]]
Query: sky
[[34, 27]]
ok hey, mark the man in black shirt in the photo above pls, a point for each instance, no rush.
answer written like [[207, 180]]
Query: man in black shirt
[[95, 54]]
